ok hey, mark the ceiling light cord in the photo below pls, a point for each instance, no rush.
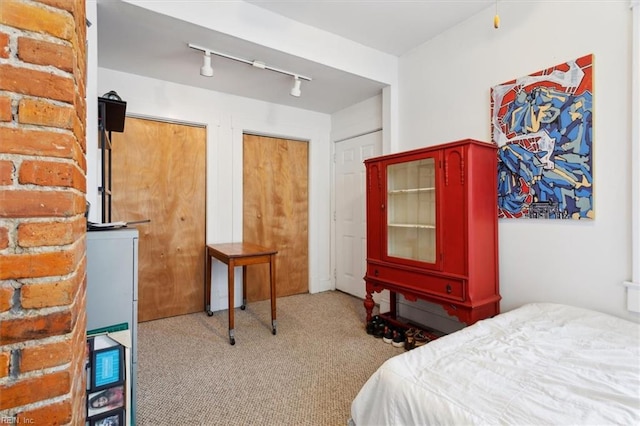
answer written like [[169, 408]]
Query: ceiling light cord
[[207, 71], [496, 18]]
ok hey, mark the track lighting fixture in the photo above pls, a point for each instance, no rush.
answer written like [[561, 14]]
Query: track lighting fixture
[[207, 71], [295, 90]]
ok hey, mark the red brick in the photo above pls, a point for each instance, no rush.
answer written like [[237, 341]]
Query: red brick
[[38, 265], [44, 53], [6, 172], [77, 370], [80, 14], [23, 204], [80, 76], [45, 295], [49, 173], [55, 414], [26, 69], [45, 356], [6, 295], [43, 234], [43, 113], [36, 83], [5, 362], [80, 179], [5, 109], [17, 325], [80, 133], [4, 46], [4, 238], [79, 157], [80, 353], [35, 18], [59, 4], [34, 389], [36, 142], [35, 327], [81, 108]]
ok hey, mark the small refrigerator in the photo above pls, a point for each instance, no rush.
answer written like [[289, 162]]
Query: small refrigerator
[[112, 293]]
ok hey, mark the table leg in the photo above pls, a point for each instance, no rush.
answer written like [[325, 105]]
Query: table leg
[[244, 287], [272, 268], [231, 280], [207, 285]]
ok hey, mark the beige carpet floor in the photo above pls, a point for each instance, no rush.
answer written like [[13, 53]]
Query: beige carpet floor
[[307, 374]]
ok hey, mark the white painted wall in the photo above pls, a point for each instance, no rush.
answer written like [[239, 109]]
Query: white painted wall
[[226, 117], [633, 286], [444, 96], [364, 117]]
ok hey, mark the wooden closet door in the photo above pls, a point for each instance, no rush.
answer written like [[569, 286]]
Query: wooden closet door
[[159, 174], [275, 206]]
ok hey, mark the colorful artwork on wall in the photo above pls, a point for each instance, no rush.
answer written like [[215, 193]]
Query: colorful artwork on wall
[[543, 126]]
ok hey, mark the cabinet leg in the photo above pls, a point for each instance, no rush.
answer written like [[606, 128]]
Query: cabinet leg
[[368, 305]]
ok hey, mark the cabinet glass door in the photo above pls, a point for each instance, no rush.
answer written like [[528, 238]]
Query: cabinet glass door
[[411, 210]]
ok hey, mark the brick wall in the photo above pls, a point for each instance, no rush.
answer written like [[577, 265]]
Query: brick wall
[[42, 202]]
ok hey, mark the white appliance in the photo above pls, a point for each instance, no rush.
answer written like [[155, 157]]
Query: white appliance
[[112, 288]]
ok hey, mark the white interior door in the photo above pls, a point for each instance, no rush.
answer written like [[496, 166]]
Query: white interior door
[[351, 224]]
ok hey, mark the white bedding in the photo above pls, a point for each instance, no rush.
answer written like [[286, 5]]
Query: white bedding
[[541, 364]]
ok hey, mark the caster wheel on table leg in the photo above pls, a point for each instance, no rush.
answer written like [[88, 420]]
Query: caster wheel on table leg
[[243, 307], [273, 331], [232, 341], [210, 313]]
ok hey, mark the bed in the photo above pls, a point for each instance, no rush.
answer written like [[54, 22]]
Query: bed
[[540, 364]]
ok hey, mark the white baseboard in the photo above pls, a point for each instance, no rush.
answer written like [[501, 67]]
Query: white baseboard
[[633, 296]]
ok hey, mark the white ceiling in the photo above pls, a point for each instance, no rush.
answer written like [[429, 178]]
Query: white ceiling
[[394, 27], [139, 41]]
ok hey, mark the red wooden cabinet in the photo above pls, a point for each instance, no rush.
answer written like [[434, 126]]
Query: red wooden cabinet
[[432, 228]]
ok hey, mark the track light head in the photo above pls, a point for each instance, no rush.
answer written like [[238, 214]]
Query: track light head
[[205, 69], [295, 90]]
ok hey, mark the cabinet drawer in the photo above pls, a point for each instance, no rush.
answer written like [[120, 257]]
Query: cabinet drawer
[[416, 282]]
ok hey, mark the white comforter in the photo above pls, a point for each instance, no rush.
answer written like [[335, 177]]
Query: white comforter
[[541, 364]]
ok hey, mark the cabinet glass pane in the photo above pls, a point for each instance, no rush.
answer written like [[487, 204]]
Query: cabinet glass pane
[[411, 210]]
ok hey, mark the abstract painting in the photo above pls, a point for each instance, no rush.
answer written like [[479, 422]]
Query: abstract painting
[[543, 126]]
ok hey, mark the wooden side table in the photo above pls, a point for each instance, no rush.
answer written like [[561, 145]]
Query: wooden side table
[[240, 254]]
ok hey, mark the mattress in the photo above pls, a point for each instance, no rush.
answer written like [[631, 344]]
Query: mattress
[[539, 364]]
